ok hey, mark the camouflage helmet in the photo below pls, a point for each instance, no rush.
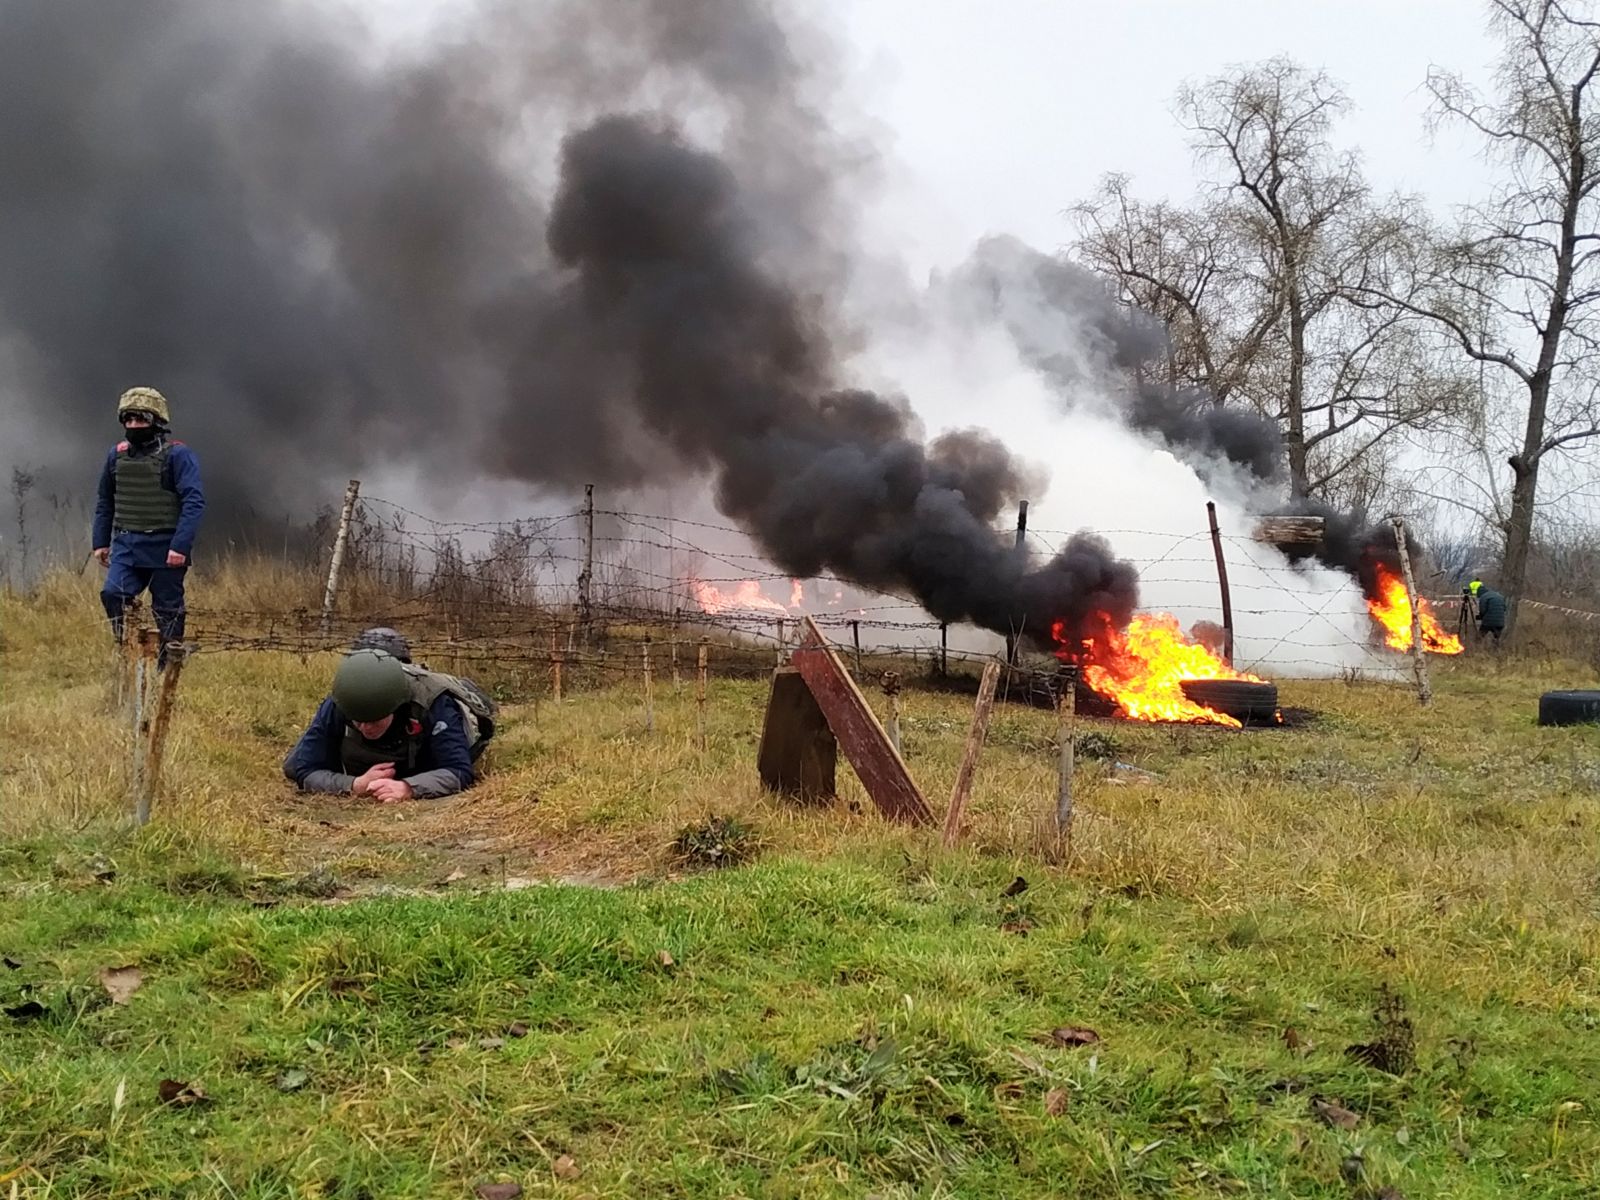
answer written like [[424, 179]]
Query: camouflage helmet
[[143, 399], [381, 637], [369, 685]]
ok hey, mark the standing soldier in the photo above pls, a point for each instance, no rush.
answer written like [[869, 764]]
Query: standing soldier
[[147, 515], [1491, 610]]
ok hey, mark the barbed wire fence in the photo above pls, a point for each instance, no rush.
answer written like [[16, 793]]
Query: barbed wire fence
[[583, 598]]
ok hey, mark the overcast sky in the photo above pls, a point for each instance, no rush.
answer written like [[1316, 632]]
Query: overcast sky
[[998, 114]]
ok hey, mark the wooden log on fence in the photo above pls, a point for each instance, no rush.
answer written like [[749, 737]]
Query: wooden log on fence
[[862, 738], [155, 747], [969, 756], [1286, 531], [798, 755]]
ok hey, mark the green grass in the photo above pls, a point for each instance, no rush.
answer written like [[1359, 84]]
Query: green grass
[[854, 1012]]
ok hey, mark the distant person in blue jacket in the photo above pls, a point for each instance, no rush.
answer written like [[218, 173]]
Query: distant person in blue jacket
[[147, 515]]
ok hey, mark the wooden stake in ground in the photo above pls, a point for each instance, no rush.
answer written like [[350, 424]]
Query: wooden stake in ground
[[155, 747], [555, 669], [586, 576], [1022, 540], [128, 660], [855, 640], [700, 696], [649, 691], [1222, 582], [337, 561], [783, 640], [1419, 664], [969, 757], [674, 649], [891, 690], [1066, 719], [143, 713]]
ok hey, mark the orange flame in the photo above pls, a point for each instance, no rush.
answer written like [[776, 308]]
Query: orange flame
[[1392, 611], [797, 594], [746, 596], [1141, 669]]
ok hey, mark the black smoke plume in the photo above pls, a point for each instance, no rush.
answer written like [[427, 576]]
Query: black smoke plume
[[333, 259], [1069, 327]]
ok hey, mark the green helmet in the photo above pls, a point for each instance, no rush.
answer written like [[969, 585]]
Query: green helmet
[[369, 685], [143, 399]]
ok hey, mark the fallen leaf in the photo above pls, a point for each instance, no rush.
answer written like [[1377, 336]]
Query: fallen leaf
[[1073, 1035], [457, 876], [1334, 1113], [1055, 1102], [455, 1043], [121, 983], [491, 1043], [1020, 928], [1403, 1136], [517, 1029], [498, 1191], [180, 1095], [28, 1010], [11, 963], [293, 1079], [665, 959], [566, 1167], [1291, 1038], [1016, 887]]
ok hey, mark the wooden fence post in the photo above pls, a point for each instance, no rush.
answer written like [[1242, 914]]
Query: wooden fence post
[[700, 695], [1222, 582], [855, 639], [649, 690], [1022, 540], [676, 616], [555, 669], [1067, 707], [1419, 664], [337, 561], [143, 713], [969, 757], [891, 689], [586, 576], [155, 746]]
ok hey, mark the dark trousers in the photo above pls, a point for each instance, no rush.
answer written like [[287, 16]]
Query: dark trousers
[[124, 583]]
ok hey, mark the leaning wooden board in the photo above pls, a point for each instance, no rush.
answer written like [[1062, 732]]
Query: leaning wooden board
[[862, 738]]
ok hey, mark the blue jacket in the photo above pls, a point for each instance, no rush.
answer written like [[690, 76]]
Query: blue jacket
[[182, 475], [443, 763]]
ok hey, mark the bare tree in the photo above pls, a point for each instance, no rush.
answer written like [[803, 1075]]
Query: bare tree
[[1254, 279], [1516, 288]]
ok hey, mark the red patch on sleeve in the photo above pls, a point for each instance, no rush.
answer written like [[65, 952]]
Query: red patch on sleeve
[[413, 727], [121, 446]]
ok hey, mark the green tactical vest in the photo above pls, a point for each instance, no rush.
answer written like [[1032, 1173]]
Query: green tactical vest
[[142, 504]]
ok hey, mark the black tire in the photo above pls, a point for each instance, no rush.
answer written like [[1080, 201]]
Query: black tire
[[1569, 708], [1241, 699]]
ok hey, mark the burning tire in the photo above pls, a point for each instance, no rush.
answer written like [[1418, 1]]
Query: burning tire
[[1241, 699], [1569, 708]]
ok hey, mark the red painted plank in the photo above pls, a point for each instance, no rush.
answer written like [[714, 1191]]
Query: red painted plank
[[862, 738]]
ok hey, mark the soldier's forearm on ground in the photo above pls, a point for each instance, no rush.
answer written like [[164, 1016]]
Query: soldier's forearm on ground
[[430, 785], [327, 781]]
